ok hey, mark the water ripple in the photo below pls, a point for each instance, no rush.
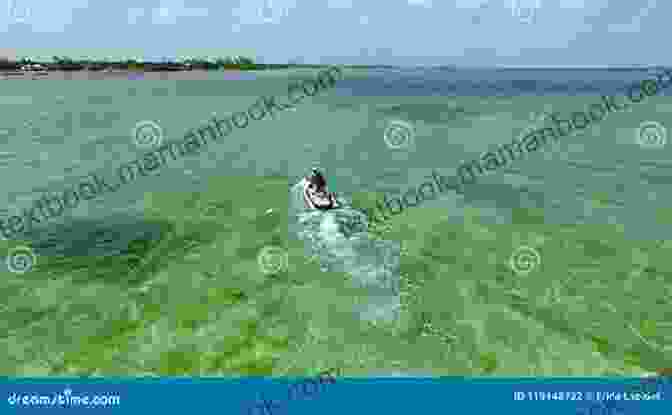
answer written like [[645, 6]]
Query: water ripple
[[340, 241]]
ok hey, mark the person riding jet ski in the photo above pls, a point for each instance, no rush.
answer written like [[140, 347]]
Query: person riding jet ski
[[315, 192]]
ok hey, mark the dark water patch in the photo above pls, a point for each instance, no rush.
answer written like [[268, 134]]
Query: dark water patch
[[493, 82], [525, 174], [71, 168], [35, 164], [7, 158], [656, 179], [64, 126], [161, 92], [656, 164], [593, 168], [91, 238], [390, 190], [503, 195], [343, 106], [536, 198], [23, 317], [601, 198], [100, 100], [596, 249], [99, 119], [122, 250], [390, 174], [49, 129], [429, 113], [7, 133], [220, 88]]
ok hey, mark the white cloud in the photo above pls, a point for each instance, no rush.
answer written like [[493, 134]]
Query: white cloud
[[468, 4], [40, 18], [426, 3], [134, 13], [163, 15], [18, 11], [263, 11], [339, 4], [572, 4], [171, 10]]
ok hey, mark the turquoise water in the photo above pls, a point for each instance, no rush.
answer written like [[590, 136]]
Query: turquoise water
[[161, 277], [61, 130]]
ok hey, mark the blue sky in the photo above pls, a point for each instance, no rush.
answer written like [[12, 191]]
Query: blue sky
[[395, 32]]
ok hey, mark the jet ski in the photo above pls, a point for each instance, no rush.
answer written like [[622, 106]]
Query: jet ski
[[315, 193], [319, 200]]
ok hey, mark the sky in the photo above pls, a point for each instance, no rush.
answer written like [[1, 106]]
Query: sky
[[479, 33]]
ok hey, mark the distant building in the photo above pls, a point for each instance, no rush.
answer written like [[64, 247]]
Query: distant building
[[34, 67]]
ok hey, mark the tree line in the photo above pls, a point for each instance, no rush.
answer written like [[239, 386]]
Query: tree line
[[63, 63]]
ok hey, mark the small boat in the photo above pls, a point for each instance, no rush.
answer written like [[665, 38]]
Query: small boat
[[319, 200], [315, 193], [35, 68]]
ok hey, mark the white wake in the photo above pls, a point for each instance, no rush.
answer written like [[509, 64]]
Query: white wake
[[339, 240]]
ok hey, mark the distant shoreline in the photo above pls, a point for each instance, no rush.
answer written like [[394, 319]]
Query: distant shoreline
[[172, 67], [178, 73], [116, 74], [195, 74]]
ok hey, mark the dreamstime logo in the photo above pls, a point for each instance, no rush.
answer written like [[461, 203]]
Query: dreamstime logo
[[272, 260], [399, 135], [525, 10], [651, 134], [524, 260], [17, 13], [20, 260], [147, 134]]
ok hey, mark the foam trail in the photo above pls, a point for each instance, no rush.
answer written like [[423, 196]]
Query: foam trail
[[340, 241]]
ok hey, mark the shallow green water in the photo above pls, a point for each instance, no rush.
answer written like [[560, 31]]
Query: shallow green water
[[174, 287]]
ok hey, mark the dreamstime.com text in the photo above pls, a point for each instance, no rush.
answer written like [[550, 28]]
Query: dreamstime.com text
[[65, 399]]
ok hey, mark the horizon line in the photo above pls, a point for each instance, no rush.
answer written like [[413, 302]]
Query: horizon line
[[381, 65]]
